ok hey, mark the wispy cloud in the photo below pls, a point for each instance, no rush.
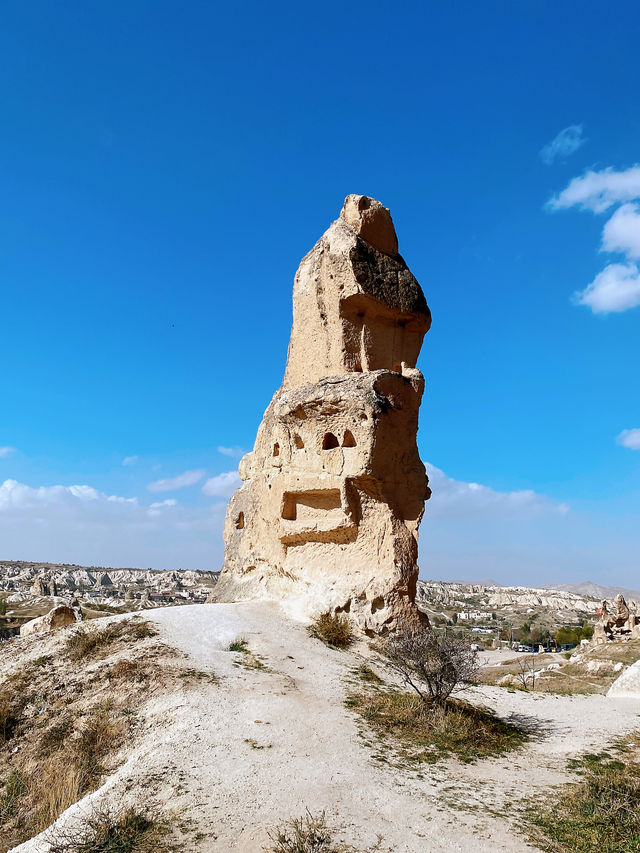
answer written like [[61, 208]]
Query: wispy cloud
[[617, 287], [598, 191], [80, 524], [188, 478], [234, 451], [18, 496], [130, 460], [222, 485], [565, 143], [7, 451], [457, 499], [159, 507], [629, 438]]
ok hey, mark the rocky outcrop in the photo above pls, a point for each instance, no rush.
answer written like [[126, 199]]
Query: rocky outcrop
[[627, 685], [618, 623], [38, 587], [58, 617], [327, 517]]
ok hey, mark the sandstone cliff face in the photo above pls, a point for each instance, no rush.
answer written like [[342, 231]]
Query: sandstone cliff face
[[334, 489]]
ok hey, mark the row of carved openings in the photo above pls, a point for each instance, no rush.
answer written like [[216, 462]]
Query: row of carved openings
[[328, 442]]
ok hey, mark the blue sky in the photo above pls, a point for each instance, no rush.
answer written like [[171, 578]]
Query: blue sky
[[164, 168]]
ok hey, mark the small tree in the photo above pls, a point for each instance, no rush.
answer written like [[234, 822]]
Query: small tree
[[433, 664], [526, 673]]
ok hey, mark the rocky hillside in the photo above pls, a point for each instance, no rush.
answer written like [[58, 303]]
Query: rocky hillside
[[28, 590], [20, 575], [466, 595], [501, 612], [224, 722]]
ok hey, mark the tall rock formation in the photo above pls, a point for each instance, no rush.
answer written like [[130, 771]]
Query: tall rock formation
[[333, 493]]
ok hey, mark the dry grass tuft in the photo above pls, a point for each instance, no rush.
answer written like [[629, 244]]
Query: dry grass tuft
[[426, 732], [307, 834], [13, 787], [333, 629], [74, 765], [70, 722], [128, 670], [598, 814], [89, 642], [249, 659], [366, 674], [128, 831]]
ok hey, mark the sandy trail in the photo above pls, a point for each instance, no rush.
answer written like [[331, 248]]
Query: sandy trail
[[240, 757]]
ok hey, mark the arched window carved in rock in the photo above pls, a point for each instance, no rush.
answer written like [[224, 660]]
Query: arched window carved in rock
[[276, 449], [330, 441], [298, 442], [348, 440]]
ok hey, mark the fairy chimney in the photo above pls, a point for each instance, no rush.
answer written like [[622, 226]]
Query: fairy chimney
[[327, 516]]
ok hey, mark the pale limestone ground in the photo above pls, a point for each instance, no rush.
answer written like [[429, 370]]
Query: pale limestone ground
[[193, 756]]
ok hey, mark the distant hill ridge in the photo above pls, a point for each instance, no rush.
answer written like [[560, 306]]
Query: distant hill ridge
[[595, 590]]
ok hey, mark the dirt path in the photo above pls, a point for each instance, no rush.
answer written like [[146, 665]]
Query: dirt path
[[240, 757]]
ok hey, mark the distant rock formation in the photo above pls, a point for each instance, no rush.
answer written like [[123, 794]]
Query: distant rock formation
[[58, 617], [334, 490], [620, 622], [38, 587]]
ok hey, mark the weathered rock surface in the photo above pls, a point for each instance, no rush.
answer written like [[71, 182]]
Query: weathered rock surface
[[39, 587], [334, 489], [619, 622], [57, 617], [628, 684]]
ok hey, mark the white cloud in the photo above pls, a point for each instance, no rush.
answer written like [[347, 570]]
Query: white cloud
[[188, 478], [457, 499], [615, 289], [79, 524], [158, 507], [231, 451], [629, 438], [622, 231], [598, 191], [565, 143], [15, 496], [222, 485], [130, 460], [7, 451]]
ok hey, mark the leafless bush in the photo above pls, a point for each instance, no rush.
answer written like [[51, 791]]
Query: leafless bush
[[433, 664], [526, 673]]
